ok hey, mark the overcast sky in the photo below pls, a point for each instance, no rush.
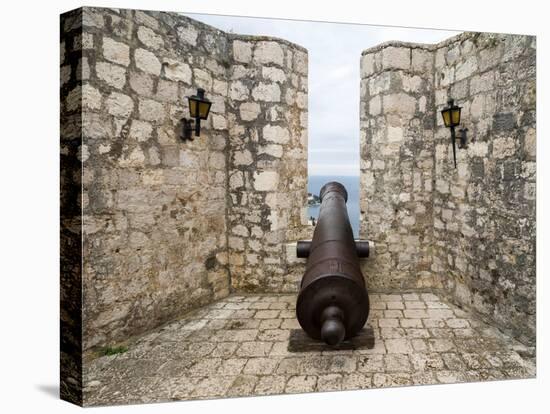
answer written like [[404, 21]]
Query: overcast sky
[[333, 97]]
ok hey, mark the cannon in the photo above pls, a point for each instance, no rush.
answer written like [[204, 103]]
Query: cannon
[[333, 303]]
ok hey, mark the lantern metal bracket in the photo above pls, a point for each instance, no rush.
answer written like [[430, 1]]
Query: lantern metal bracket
[[463, 143], [187, 129], [463, 139]]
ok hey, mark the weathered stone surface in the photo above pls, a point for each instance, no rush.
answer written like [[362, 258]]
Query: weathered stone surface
[[242, 51], [141, 83], [119, 104], [267, 92], [190, 348], [274, 74], [275, 133], [147, 61], [266, 180], [530, 144], [144, 185], [421, 60], [177, 71], [188, 33], [114, 75], [149, 38], [116, 52], [268, 52], [410, 185], [272, 149], [203, 78], [91, 98], [503, 147], [396, 58], [249, 111], [151, 110], [242, 157], [238, 91], [400, 103], [300, 62], [367, 65], [140, 130]]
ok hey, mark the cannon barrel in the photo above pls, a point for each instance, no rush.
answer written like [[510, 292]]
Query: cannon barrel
[[333, 302]]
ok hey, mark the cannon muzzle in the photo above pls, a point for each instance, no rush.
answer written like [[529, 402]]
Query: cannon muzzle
[[333, 302]]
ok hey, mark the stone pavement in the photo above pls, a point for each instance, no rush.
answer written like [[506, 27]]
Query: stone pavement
[[239, 346]]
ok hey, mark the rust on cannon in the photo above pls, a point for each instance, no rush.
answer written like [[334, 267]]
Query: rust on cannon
[[333, 303]]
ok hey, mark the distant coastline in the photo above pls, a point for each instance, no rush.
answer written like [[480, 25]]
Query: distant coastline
[[313, 199], [315, 182]]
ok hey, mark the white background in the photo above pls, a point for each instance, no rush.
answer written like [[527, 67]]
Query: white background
[[29, 204]]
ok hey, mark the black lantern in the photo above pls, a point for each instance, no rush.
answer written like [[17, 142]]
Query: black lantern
[[199, 108], [451, 119]]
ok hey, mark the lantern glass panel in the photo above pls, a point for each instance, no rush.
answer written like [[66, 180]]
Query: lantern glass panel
[[455, 116], [446, 113], [204, 109], [192, 108]]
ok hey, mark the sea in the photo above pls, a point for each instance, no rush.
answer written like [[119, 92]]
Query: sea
[[314, 184]]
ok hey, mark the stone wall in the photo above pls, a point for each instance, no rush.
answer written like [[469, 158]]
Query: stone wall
[[397, 112], [70, 202], [159, 215], [476, 223], [484, 211], [268, 166]]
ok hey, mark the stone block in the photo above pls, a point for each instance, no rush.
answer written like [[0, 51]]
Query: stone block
[[395, 134], [141, 83], [379, 83], [503, 147], [274, 74], [266, 180], [375, 106], [119, 105], [422, 60], [399, 346], [238, 91], [188, 34], [412, 83], [272, 149], [147, 62], [300, 62], [73, 101], [466, 69], [116, 52], [150, 110], [140, 130], [400, 103], [113, 75], [243, 157], [249, 111], [477, 149], [530, 142], [177, 71], [276, 134], [149, 38], [367, 65], [267, 92], [203, 79], [301, 383], [219, 122], [268, 52], [91, 98], [396, 57], [242, 51], [482, 83], [87, 41]]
